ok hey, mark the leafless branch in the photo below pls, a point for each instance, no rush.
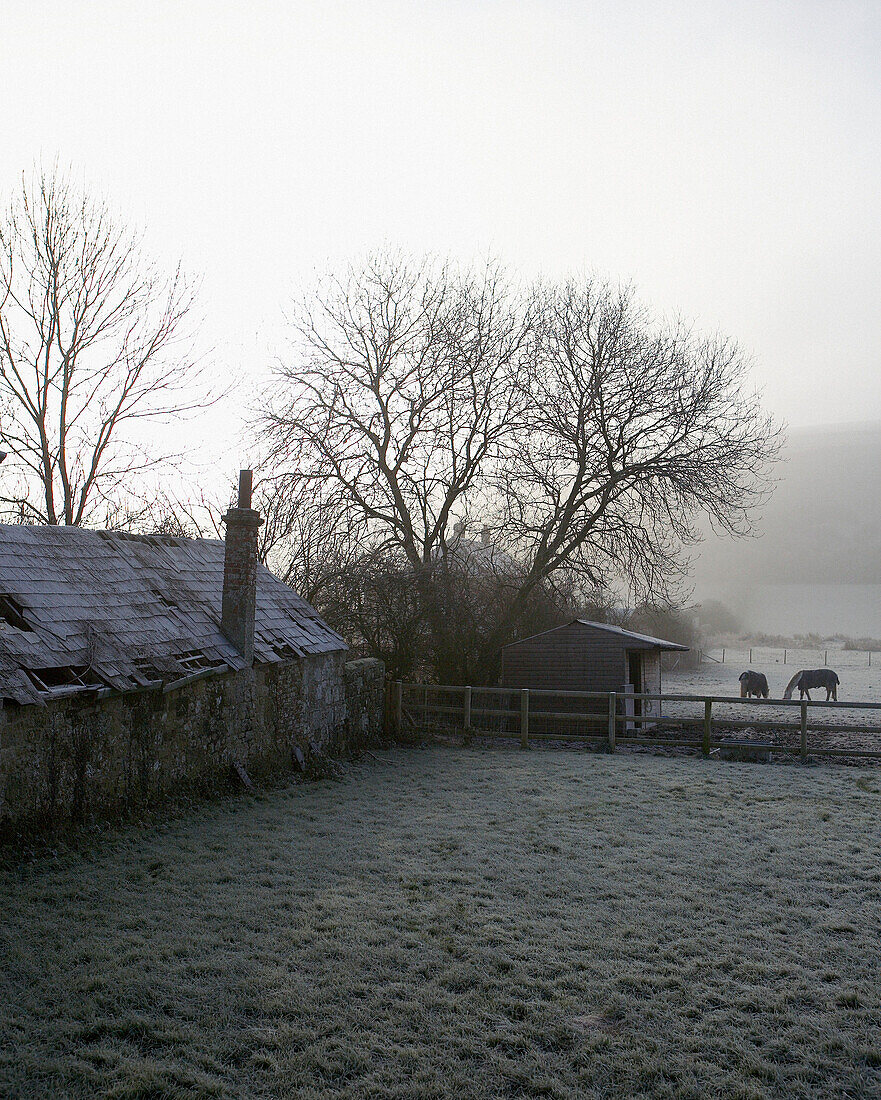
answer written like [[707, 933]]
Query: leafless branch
[[93, 339]]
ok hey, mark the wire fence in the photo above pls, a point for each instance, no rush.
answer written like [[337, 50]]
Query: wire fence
[[799, 658]]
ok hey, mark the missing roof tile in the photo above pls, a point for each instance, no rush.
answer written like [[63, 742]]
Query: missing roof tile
[[145, 667], [194, 660], [62, 676], [11, 612]]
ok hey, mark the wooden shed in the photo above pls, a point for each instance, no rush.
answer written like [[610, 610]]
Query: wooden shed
[[586, 656]]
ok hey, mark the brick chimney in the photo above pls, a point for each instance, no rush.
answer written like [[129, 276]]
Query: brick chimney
[[240, 571]]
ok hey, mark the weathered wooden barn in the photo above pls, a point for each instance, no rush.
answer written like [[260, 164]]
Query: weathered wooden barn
[[136, 666], [587, 656]]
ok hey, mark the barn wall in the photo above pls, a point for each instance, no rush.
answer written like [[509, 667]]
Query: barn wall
[[77, 759], [572, 658]]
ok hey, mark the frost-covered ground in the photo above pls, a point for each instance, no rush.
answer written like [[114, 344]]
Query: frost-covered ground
[[463, 923]]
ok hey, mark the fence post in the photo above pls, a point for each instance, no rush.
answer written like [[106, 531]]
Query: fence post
[[750, 656], [613, 704], [524, 718], [825, 658], [784, 656], [466, 715], [708, 726], [804, 731], [398, 697], [723, 656]]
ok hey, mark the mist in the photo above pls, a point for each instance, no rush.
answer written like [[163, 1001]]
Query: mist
[[814, 564]]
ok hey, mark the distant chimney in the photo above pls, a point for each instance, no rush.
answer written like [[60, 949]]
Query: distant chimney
[[240, 571]]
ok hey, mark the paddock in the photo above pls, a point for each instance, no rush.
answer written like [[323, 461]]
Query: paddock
[[477, 922]]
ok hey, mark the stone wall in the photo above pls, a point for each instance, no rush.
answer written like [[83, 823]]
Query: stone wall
[[80, 757], [365, 701]]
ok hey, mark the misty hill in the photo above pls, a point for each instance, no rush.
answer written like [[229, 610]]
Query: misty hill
[[823, 523]]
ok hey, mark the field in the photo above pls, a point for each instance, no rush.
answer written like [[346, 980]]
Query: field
[[468, 923], [860, 682]]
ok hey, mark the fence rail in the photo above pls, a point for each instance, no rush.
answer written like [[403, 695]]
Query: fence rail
[[624, 718]]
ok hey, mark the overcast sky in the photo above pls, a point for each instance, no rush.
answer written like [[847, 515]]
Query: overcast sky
[[722, 156]]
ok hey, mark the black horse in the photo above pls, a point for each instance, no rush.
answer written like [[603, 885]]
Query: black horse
[[813, 678], [753, 683]]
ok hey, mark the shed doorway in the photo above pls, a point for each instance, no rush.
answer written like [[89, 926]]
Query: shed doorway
[[634, 678]]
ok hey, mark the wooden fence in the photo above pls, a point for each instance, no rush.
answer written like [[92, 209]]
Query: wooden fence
[[618, 718]]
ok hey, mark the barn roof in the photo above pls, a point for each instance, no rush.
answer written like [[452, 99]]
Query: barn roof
[[629, 638], [84, 609]]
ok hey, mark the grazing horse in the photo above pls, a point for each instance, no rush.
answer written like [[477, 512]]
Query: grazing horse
[[753, 683], [813, 678]]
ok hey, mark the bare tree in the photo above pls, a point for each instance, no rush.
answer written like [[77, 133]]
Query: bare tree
[[584, 435], [159, 512], [93, 338], [315, 541], [631, 430], [401, 389], [310, 536], [378, 608], [401, 392]]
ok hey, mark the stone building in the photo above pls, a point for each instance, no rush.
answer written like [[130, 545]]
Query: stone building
[[137, 666]]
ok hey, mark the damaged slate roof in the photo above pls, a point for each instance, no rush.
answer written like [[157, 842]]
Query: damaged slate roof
[[89, 609]]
